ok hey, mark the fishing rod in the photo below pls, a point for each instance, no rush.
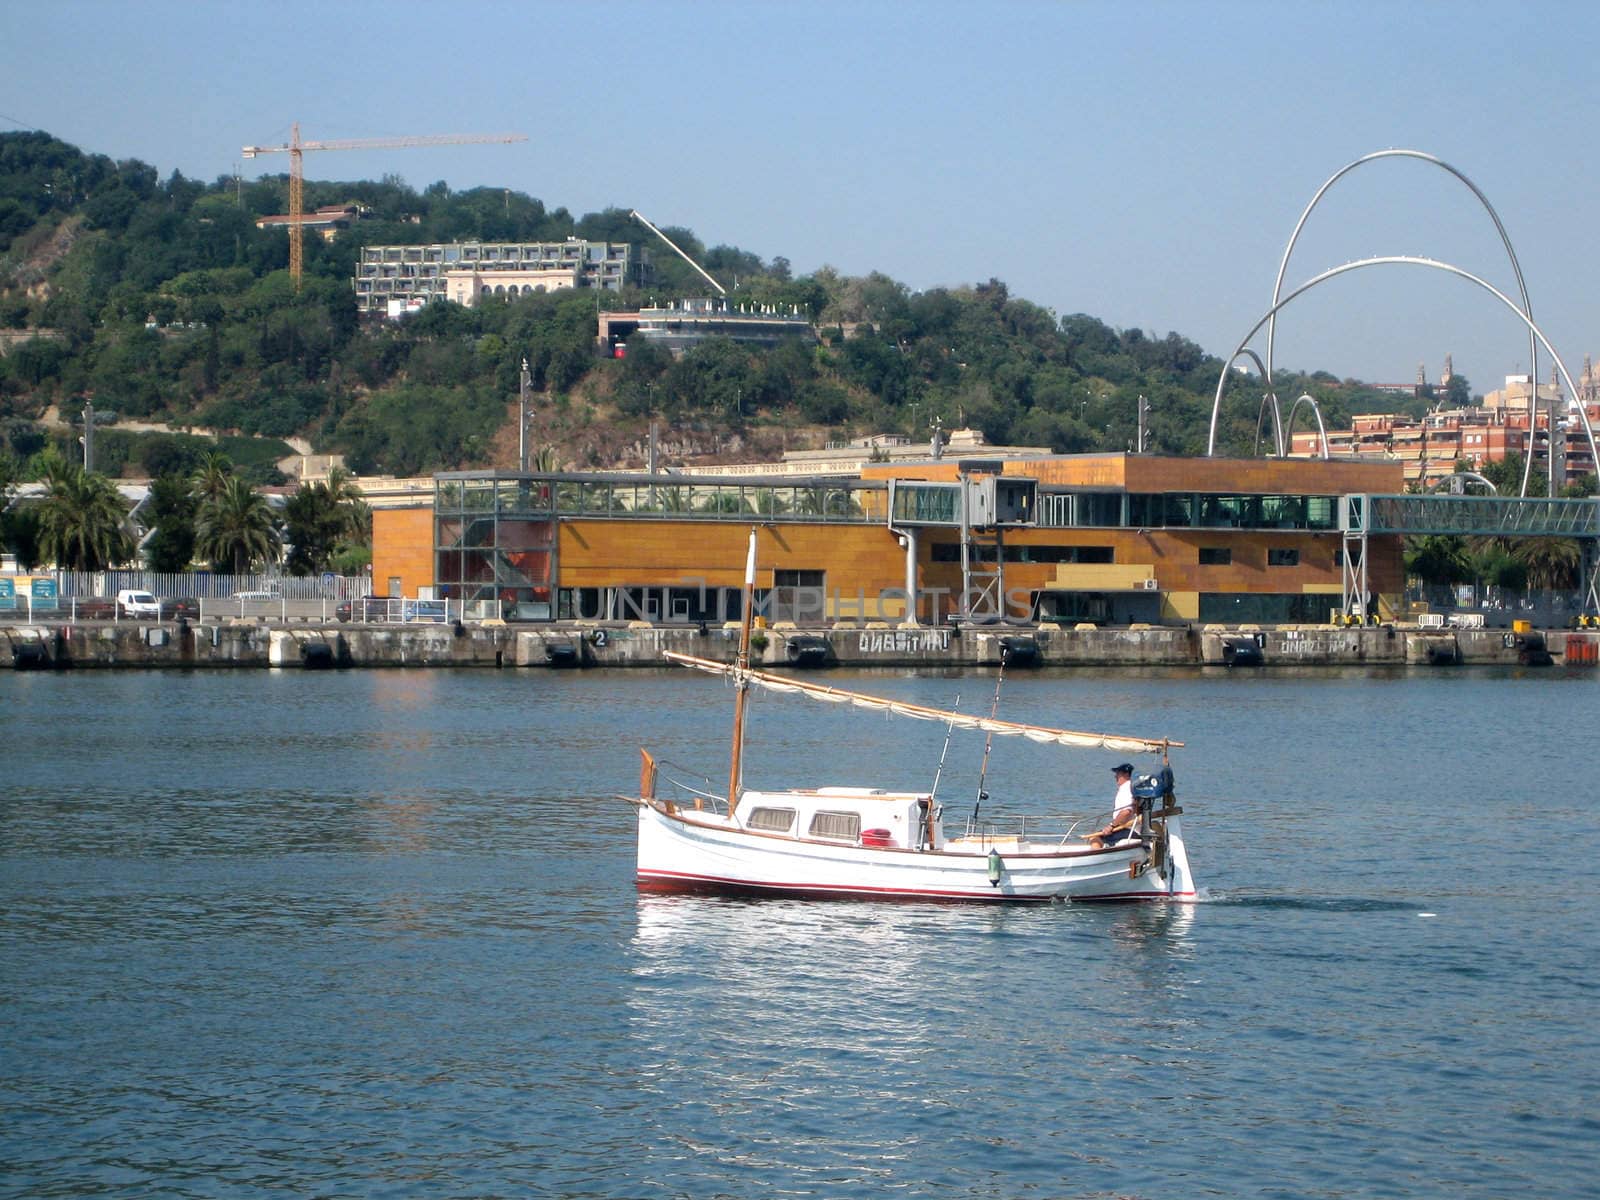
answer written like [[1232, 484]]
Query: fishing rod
[[948, 730], [988, 741], [933, 796]]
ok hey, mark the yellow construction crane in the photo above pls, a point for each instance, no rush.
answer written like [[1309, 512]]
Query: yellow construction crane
[[295, 149]]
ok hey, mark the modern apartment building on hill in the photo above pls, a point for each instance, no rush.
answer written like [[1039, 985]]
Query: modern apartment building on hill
[[393, 280]]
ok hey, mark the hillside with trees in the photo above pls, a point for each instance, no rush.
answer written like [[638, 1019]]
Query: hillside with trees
[[168, 306]]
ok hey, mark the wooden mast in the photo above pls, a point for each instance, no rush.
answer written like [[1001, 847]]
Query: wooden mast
[[741, 679]]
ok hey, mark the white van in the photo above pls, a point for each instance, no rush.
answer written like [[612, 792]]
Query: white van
[[138, 604]]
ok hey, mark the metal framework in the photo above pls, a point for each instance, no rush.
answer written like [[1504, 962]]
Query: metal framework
[[1316, 411], [1420, 156], [1401, 260], [1362, 515], [1526, 311]]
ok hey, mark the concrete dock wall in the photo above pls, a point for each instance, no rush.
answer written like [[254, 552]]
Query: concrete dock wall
[[256, 644]]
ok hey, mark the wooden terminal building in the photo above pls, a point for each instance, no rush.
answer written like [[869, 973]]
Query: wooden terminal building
[[1113, 539]]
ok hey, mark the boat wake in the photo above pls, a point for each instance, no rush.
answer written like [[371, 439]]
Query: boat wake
[[1327, 904]]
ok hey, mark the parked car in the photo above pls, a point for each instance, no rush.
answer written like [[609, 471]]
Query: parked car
[[94, 608], [133, 603], [368, 608], [185, 608]]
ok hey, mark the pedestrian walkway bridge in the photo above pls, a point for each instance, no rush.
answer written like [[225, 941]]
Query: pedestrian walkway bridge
[[1362, 515], [1497, 516]]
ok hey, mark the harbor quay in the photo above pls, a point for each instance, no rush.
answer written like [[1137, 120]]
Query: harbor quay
[[589, 645]]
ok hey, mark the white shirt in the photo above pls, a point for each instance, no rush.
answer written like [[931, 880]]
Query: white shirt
[[1124, 794]]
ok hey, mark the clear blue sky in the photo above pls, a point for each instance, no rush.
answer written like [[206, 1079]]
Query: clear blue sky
[[1141, 162]]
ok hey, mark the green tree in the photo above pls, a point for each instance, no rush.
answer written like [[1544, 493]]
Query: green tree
[[83, 520], [237, 527], [173, 508], [212, 476], [320, 521], [1438, 559], [1549, 562]]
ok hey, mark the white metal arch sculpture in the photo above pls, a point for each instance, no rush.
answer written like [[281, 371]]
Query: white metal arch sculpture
[[1316, 411], [1268, 401], [1400, 260], [1505, 239]]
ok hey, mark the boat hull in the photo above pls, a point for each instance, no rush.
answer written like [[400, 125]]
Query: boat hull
[[684, 852]]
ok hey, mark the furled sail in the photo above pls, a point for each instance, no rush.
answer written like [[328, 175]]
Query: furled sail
[[1035, 733]]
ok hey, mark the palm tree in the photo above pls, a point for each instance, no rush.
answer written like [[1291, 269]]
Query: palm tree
[[83, 520], [211, 478], [236, 525], [1550, 562]]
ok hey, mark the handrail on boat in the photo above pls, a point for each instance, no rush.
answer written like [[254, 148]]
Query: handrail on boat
[[1018, 827]]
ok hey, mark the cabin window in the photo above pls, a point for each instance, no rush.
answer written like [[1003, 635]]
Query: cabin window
[[774, 820], [845, 826], [1215, 556], [1283, 558]]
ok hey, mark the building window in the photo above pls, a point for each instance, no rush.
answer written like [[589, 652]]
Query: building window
[[951, 552], [799, 579], [1283, 558], [1215, 556]]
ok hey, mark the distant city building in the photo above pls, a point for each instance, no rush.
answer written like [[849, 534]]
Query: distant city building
[[327, 220], [1514, 397], [393, 280], [1428, 448], [850, 458], [677, 327]]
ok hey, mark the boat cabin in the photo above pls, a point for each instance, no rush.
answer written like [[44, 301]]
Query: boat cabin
[[845, 815]]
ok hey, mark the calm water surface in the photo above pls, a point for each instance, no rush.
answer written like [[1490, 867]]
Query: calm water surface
[[375, 934]]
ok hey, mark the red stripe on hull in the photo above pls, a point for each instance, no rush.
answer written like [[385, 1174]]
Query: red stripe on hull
[[661, 882], [709, 885]]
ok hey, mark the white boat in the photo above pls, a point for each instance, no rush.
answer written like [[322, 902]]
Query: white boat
[[867, 843]]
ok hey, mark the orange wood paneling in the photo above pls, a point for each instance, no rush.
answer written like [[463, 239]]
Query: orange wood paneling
[[402, 544]]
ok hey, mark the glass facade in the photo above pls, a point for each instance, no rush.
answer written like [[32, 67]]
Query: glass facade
[[494, 545], [1186, 510], [983, 552]]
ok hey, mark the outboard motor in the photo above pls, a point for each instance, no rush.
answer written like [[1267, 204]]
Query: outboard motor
[[1147, 789]]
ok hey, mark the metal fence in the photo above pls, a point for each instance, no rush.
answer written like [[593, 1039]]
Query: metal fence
[[1497, 608], [30, 609], [202, 585]]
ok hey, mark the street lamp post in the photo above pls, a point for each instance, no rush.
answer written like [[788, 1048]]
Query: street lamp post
[[522, 419], [88, 436]]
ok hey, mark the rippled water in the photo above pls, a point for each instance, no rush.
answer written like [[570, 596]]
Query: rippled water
[[374, 933]]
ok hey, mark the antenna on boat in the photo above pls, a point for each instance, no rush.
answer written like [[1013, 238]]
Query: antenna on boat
[[741, 674], [988, 741]]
